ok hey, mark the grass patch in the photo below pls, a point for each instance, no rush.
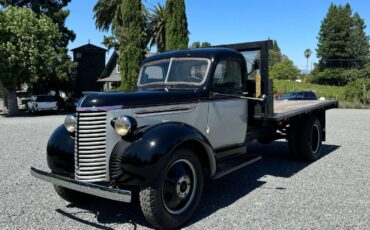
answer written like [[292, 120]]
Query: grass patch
[[329, 92]]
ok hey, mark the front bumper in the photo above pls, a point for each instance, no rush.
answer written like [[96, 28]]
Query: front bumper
[[88, 188], [46, 109]]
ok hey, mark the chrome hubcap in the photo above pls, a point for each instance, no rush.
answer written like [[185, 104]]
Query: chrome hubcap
[[179, 187], [183, 187]]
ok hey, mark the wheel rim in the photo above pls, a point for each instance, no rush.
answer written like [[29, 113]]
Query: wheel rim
[[315, 143], [179, 185]]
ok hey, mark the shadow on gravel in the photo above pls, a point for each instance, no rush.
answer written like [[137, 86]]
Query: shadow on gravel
[[217, 194]]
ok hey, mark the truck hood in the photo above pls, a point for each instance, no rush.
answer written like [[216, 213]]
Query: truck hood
[[141, 98]]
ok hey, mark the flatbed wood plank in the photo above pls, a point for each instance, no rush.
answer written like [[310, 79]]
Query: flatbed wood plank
[[287, 109]]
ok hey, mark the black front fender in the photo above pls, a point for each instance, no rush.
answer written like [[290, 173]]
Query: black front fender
[[60, 152], [140, 159]]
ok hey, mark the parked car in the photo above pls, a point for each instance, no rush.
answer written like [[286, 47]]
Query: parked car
[[190, 118], [297, 96], [42, 103]]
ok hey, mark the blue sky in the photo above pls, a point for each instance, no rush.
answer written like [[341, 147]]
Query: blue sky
[[294, 24]]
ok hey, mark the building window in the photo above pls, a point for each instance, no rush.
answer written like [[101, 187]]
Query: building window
[[117, 69], [78, 55]]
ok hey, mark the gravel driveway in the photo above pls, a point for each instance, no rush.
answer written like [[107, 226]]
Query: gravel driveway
[[274, 193]]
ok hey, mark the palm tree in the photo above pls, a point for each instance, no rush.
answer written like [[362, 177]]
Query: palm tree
[[158, 28], [107, 13], [307, 54]]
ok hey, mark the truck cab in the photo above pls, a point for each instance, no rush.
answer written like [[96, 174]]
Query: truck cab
[[191, 117]]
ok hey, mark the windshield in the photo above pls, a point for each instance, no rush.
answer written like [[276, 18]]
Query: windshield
[[181, 71]]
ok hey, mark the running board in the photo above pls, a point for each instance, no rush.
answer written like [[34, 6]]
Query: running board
[[229, 166]]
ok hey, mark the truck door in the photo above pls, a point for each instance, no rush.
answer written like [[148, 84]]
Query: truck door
[[227, 117]]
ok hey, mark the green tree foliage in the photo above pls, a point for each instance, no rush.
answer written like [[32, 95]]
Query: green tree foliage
[[198, 44], [206, 44], [342, 41], [359, 91], [62, 77], [133, 40], [333, 39], [365, 71], [27, 50], [108, 15], [275, 55], [158, 28], [53, 9], [177, 34], [360, 47], [307, 55], [284, 70]]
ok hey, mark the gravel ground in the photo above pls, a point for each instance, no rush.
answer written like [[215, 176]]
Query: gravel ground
[[274, 193]]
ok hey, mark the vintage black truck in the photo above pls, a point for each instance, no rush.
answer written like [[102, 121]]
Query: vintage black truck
[[191, 117]]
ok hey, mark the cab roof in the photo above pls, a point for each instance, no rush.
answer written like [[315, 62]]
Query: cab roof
[[210, 53]]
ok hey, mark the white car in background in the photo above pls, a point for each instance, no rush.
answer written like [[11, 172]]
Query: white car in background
[[42, 103]]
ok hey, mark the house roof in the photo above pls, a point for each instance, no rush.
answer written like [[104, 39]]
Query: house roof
[[112, 61], [88, 48], [113, 78]]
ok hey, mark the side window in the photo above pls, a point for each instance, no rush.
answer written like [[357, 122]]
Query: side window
[[228, 76]]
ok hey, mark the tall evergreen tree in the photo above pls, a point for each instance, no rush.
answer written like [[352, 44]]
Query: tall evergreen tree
[[177, 33], [133, 41], [275, 55], [359, 41], [334, 37]]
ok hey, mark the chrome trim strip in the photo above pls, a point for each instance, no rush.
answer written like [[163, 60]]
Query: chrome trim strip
[[177, 109], [96, 109], [84, 187]]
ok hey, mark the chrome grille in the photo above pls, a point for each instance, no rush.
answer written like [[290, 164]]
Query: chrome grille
[[90, 143]]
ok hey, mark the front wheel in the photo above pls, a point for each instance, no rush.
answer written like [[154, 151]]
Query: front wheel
[[172, 198]]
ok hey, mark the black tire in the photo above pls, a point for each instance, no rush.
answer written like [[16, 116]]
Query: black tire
[[184, 189], [305, 138], [72, 196], [311, 139]]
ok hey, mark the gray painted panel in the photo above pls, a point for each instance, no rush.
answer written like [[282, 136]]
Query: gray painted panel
[[227, 122]]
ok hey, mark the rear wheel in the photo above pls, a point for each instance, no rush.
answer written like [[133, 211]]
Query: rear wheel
[[311, 139], [72, 196], [171, 199], [305, 138]]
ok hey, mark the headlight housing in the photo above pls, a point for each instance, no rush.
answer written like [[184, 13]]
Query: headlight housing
[[70, 123], [124, 125]]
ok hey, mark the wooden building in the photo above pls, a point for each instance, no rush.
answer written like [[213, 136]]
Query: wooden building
[[91, 64]]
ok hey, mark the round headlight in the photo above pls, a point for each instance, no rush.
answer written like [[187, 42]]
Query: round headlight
[[122, 125], [70, 123]]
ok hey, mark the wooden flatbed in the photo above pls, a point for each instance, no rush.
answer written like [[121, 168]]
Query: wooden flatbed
[[284, 110]]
